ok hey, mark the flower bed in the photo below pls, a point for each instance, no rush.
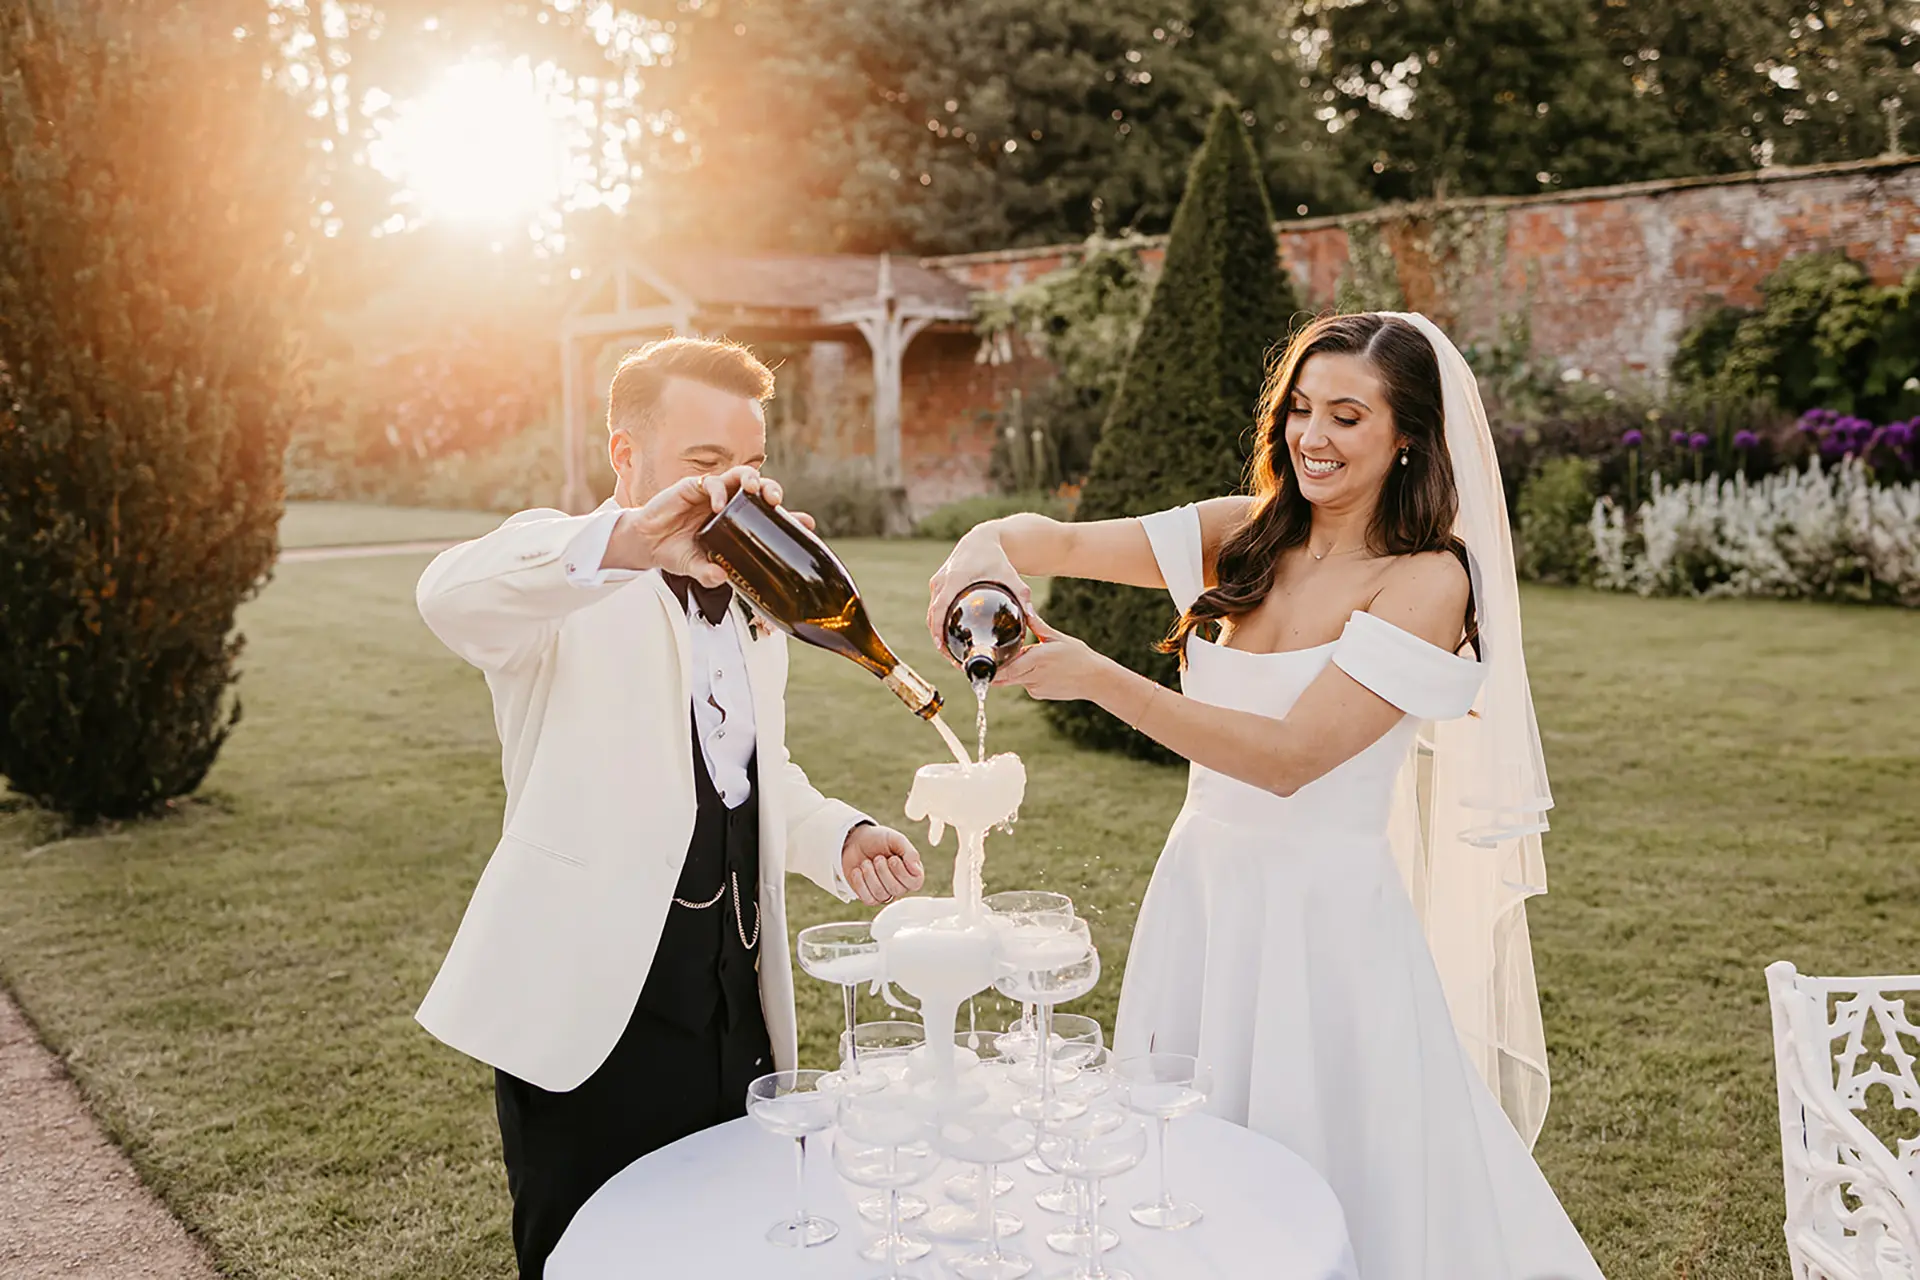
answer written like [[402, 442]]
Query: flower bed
[[1890, 450], [1822, 532]]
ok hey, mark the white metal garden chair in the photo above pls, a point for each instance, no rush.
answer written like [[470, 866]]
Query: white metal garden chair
[[1844, 1053]]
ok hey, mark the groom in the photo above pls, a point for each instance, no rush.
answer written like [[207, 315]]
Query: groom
[[623, 964]]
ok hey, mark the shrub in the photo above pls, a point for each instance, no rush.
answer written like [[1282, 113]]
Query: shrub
[[840, 494], [145, 388], [1555, 506], [1815, 532], [951, 522], [1824, 336], [1082, 320], [1183, 417]]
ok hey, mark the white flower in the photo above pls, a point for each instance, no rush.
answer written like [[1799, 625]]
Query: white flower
[[1820, 533], [1572, 374], [1911, 384]]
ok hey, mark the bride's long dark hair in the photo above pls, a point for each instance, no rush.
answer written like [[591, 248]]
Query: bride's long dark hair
[[1418, 501]]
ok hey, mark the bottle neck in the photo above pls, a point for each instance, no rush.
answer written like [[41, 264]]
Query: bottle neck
[[911, 688]]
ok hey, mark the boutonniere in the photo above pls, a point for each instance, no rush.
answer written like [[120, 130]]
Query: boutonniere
[[757, 626]]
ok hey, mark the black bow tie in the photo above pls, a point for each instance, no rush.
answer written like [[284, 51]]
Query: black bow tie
[[712, 601]]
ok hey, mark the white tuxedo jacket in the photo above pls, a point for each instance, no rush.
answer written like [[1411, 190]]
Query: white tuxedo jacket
[[590, 698]]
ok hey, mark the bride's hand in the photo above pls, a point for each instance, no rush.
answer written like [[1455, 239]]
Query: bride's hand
[[1058, 669], [977, 557]]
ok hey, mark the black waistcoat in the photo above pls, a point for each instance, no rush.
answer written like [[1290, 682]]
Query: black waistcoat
[[703, 963]]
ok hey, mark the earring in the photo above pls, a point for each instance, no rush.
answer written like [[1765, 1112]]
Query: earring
[[1403, 455]]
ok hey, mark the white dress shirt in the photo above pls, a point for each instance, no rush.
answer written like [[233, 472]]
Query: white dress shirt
[[722, 708]]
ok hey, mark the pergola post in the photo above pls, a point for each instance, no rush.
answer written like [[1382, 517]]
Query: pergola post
[[888, 333], [672, 311], [630, 298]]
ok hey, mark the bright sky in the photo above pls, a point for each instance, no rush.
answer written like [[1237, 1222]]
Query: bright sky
[[485, 144]]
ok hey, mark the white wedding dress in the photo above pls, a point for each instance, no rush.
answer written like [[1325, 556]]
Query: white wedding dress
[[1278, 943]]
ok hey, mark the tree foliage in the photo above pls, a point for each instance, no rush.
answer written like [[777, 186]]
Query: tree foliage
[[1824, 337], [862, 125], [1182, 422], [1081, 320], [147, 277]]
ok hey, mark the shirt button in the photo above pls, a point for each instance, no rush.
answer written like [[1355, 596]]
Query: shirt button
[[719, 733], [719, 675]]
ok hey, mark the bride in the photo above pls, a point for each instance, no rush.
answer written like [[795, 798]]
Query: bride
[[1337, 923]]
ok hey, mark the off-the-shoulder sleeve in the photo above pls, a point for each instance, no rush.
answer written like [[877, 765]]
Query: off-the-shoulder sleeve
[[1175, 535], [1421, 679]]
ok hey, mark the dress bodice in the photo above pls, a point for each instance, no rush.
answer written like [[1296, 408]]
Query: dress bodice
[[1355, 798]]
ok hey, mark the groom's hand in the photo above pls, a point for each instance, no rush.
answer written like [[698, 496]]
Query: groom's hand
[[880, 864], [659, 534]]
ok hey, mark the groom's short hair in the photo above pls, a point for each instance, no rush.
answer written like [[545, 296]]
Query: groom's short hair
[[643, 375]]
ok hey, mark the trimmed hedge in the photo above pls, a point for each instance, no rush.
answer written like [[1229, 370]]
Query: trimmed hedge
[[147, 384], [1182, 423]]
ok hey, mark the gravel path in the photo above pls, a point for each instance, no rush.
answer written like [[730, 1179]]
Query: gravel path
[[71, 1205], [296, 555]]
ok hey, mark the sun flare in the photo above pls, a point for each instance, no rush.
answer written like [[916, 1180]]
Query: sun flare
[[482, 145]]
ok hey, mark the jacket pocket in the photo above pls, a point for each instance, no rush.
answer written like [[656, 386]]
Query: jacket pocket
[[534, 846]]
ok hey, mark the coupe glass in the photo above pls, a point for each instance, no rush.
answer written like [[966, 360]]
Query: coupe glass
[[989, 1091], [1090, 1085], [1048, 971], [883, 1049], [986, 1136], [970, 1049], [1030, 906], [1080, 1150], [1165, 1086], [1025, 908], [874, 1055], [880, 1144], [1073, 1035], [845, 954], [1075, 1038], [889, 1168], [791, 1104]]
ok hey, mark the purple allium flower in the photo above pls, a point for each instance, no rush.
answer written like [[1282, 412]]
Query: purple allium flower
[[1901, 433], [1698, 441], [1745, 440], [1678, 437], [1632, 438]]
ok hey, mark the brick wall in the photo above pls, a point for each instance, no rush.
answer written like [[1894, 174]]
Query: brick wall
[[1607, 279]]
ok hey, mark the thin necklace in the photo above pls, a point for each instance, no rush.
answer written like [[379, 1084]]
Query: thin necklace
[[1322, 555]]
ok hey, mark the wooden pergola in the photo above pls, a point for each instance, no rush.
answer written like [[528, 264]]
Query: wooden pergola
[[783, 298]]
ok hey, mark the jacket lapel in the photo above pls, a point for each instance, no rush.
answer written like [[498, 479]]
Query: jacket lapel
[[677, 623]]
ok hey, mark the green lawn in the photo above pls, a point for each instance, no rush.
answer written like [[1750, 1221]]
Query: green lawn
[[341, 524], [234, 985]]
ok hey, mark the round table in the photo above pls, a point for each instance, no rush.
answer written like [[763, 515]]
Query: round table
[[701, 1207]]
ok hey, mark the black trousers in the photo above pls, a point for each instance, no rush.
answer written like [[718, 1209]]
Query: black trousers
[[661, 1082]]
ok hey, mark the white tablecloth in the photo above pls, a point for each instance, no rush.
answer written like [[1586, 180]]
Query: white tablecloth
[[701, 1207]]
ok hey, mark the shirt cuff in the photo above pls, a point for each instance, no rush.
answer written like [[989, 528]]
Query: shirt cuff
[[840, 885], [583, 555]]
